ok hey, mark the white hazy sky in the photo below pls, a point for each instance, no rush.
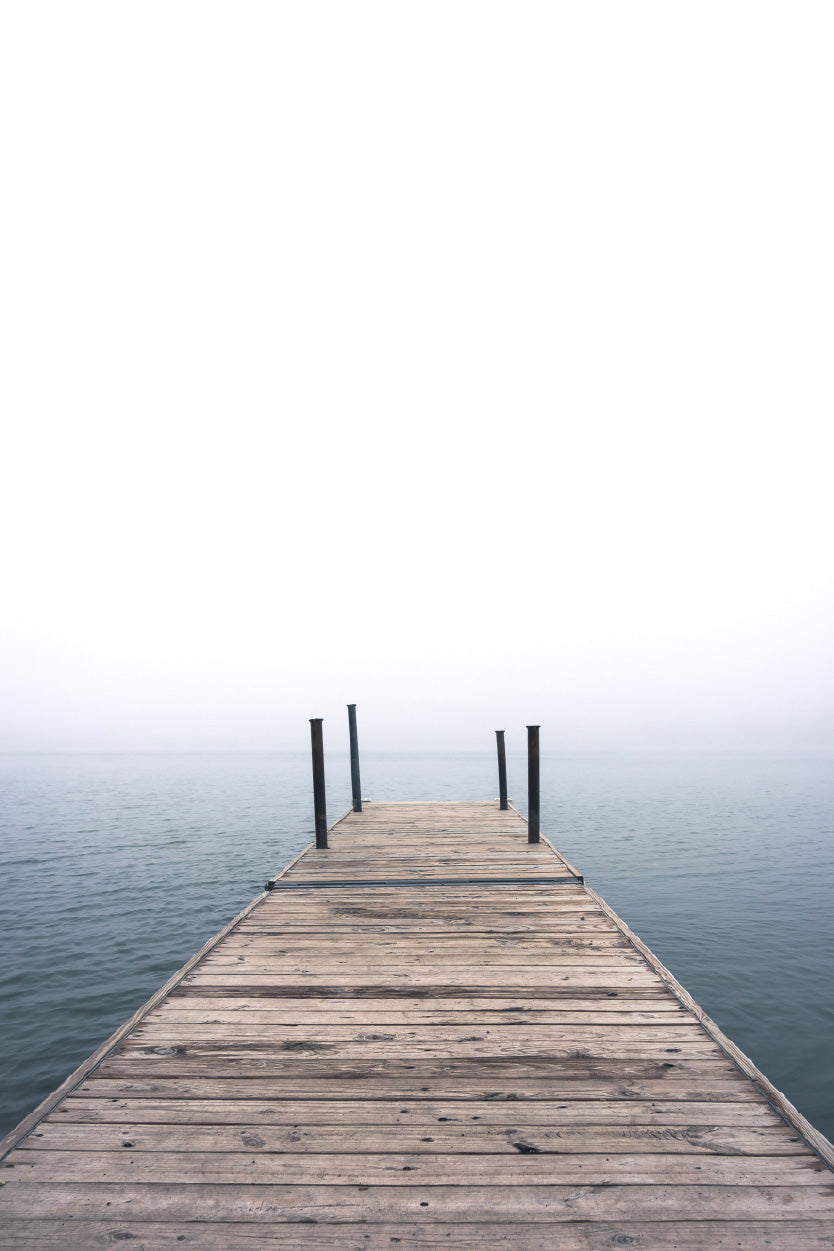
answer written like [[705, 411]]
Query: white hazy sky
[[468, 361]]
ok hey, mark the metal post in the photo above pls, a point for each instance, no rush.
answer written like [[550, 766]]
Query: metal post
[[318, 782], [502, 771], [354, 759], [532, 784]]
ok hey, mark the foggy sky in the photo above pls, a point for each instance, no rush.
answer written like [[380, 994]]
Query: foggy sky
[[469, 362]]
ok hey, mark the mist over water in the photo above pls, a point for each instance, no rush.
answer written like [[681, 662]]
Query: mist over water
[[117, 868]]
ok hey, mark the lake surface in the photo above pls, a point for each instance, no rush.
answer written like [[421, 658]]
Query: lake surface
[[116, 868]]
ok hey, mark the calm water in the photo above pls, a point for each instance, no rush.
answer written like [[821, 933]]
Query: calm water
[[116, 868]]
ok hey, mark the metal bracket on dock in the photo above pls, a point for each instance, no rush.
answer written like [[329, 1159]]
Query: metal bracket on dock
[[283, 884]]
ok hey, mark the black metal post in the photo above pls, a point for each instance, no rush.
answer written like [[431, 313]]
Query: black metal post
[[319, 803], [502, 771], [532, 784], [354, 759]]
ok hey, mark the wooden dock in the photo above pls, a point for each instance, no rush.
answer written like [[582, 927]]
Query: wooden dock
[[430, 1034]]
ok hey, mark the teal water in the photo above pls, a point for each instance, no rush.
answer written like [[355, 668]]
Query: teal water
[[116, 868]]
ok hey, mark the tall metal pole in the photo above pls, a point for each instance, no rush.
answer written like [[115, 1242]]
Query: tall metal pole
[[354, 759], [502, 771], [532, 784], [319, 803]]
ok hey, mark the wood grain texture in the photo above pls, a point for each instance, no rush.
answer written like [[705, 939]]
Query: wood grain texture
[[692, 1235], [426, 1064]]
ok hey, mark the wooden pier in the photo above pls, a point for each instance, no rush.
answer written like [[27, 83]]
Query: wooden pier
[[429, 1034]]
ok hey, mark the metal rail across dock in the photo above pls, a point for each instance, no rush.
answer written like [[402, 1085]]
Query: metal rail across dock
[[429, 1033]]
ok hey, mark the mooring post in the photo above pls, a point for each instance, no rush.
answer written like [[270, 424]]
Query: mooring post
[[502, 771], [532, 784], [319, 803], [354, 759]]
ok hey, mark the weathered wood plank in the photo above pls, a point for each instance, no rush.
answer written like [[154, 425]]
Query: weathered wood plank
[[485, 977], [444, 1138], [623, 1082], [505, 1071], [525, 947], [653, 993], [237, 960], [278, 1204], [462, 1114], [372, 923], [345, 1012], [695, 1235], [451, 1170], [680, 1030]]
